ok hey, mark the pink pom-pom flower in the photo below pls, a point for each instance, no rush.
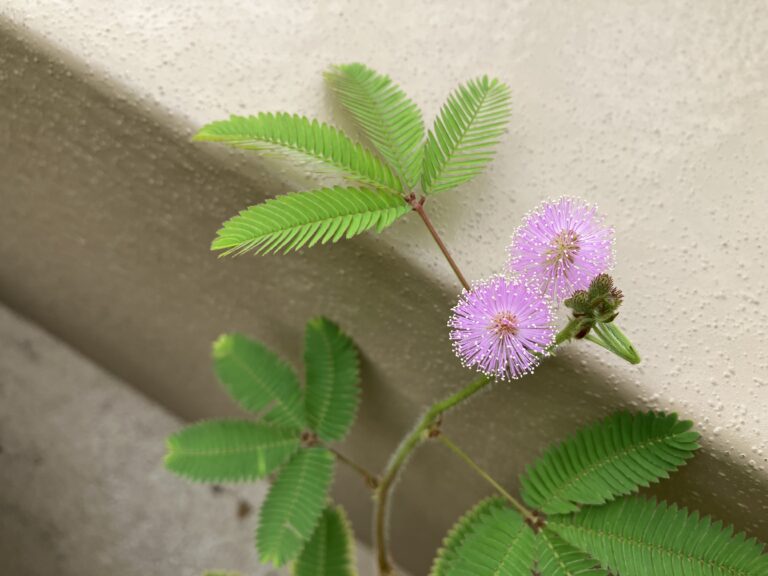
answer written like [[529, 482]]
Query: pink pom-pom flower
[[502, 328], [561, 246]]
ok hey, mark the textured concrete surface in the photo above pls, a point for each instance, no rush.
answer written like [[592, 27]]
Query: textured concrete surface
[[656, 110], [82, 488]]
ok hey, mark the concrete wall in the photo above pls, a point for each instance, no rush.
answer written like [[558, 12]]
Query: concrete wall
[[658, 112]]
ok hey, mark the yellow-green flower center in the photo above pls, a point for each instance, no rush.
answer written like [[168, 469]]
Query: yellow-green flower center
[[563, 249]]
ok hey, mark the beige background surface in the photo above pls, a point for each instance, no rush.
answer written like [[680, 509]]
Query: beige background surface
[[657, 111]]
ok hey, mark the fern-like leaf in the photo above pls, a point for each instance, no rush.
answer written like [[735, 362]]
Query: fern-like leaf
[[446, 556], [637, 537], [294, 505], [330, 551], [490, 540], [390, 120], [297, 136], [259, 380], [465, 132], [332, 391], [291, 221], [609, 459], [556, 557], [229, 451]]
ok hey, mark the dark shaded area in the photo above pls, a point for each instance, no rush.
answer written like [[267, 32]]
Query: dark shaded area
[[105, 224]]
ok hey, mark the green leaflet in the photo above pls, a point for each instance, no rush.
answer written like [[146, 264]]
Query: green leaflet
[[294, 505], [391, 121], [639, 537], [332, 391], [611, 458], [447, 554], [330, 551], [259, 380], [555, 557], [465, 133], [293, 135], [229, 451], [291, 221], [491, 539]]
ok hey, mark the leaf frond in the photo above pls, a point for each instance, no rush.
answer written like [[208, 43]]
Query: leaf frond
[[292, 221], [636, 536], [330, 551], [490, 539], [611, 458], [555, 557], [333, 377], [446, 555], [229, 451], [259, 380], [390, 120], [465, 133], [303, 139], [294, 505]]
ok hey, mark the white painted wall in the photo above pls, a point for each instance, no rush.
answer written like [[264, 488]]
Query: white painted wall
[[658, 111]]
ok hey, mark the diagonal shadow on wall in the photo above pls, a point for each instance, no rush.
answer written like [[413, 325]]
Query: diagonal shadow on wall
[[107, 214]]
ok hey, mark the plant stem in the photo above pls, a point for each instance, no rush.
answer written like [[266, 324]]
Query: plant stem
[[418, 206], [403, 452], [412, 441], [566, 333], [370, 479], [499, 488]]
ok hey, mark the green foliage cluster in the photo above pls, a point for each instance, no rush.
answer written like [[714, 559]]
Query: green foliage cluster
[[593, 525], [385, 176], [288, 438], [585, 516]]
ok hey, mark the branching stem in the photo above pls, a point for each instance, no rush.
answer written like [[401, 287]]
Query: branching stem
[[371, 480], [403, 452], [418, 206], [527, 514]]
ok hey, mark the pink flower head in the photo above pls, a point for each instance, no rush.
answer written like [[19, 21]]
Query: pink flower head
[[502, 327], [561, 246]]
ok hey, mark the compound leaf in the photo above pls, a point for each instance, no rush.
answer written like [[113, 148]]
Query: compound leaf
[[330, 551], [332, 391], [611, 458], [259, 380], [491, 539], [292, 221], [229, 451], [294, 505], [558, 558], [390, 120], [639, 537], [465, 133], [303, 139], [447, 554]]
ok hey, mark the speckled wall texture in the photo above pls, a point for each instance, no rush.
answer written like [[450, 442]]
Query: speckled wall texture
[[658, 111]]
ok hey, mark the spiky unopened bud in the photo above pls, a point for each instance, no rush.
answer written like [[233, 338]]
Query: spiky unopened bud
[[598, 303]]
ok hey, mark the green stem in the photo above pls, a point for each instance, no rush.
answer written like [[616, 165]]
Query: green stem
[[488, 478], [418, 206], [566, 333], [404, 451], [368, 477], [412, 441]]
